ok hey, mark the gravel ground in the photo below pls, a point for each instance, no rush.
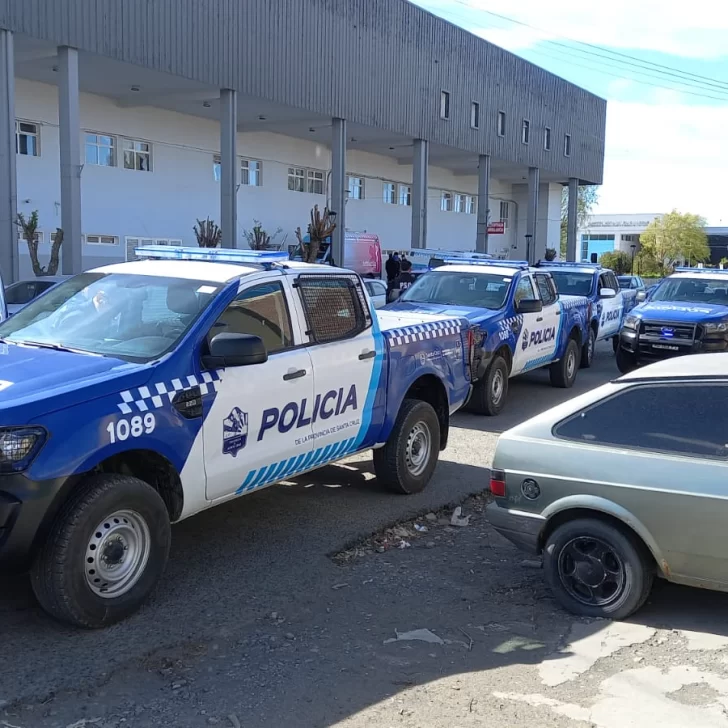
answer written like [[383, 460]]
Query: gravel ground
[[299, 606]]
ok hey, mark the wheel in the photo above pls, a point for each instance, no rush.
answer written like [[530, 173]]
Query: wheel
[[406, 462], [587, 351], [615, 344], [563, 372], [596, 570], [105, 552], [489, 394], [626, 361]]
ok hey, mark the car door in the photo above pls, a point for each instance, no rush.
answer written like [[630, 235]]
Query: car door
[[377, 292], [543, 338], [259, 425], [610, 319], [345, 347], [523, 355]]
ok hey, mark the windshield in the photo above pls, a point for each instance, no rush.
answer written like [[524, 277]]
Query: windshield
[[693, 290], [624, 281], [573, 284], [479, 290], [132, 317]]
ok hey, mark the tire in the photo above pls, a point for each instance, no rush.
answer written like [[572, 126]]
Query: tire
[[400, 465], [563, 372], [626, 361], [587, 351], [625, 569], [104, 514], [615, 344], [489, 394]]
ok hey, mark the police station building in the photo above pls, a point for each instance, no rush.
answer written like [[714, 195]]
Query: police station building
[[124, 122]]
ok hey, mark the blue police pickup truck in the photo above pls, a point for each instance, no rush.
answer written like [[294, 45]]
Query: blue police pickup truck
[[523, 323], [687, 313], [138, 394], [608, 302]]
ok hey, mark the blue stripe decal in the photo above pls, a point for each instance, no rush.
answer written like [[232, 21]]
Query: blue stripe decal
[[366, 419]]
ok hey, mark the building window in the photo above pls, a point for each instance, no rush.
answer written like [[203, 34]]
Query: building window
[[137, 155], [567, 145], [100, 150], [504, 212], [389, 193], [446, 202], [475, 115], [405, 195], [526, 131], [251, 173], [460, 203], [356, 188], [296, 179], [315, 182], [27, 138], [470, 206], [547, 139], [38, 237], [133, 243], [445, 105], [501, 123], [217, 167], [102, 240], [584, 247]]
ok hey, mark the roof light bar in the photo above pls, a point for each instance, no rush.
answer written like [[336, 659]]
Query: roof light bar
[[213, 255], [566, 264], [520, 264], [701, 270]]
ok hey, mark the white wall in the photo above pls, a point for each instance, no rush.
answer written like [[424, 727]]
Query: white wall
[[165, 202]]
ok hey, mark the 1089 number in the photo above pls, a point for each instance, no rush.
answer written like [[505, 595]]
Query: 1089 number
[[135, 427]]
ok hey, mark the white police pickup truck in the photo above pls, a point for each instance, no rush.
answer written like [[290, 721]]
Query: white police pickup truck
[[135, 395]]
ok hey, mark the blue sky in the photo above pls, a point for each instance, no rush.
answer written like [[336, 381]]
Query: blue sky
[[667, 133]]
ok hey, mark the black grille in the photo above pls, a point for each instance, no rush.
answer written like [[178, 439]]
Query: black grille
[[684, 333]]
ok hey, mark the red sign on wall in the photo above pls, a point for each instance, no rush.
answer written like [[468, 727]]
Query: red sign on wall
[[497, 228]]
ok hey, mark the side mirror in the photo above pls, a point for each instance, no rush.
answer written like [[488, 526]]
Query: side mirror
[[607, 293], [529, 305], [235, 350], [641, 296]]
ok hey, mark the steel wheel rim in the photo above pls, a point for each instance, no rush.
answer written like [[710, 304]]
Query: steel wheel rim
[[570, 364], [117, 554], [417, 452], [497, 386], [592, 572]]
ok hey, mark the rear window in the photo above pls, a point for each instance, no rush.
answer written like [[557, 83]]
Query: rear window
[[678, 418]]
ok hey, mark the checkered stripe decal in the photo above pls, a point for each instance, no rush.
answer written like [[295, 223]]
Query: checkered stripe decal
[[567, 303], [507, 324], [157, 395], [422, 332]]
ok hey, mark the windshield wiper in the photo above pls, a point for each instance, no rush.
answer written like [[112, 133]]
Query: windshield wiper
[[57, 347]]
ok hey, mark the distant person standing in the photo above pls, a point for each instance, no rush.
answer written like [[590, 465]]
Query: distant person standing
[[392, 267], [403, 281]]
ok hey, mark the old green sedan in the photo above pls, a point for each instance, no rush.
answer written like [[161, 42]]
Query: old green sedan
[[622, 484]]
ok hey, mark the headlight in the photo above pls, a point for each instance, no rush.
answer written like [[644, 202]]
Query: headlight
[[631, 322], [18, 447], [714, 328]]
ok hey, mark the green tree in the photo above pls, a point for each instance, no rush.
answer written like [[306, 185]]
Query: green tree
[[29, 230], [587, 198], [619, 261], [675, 237]]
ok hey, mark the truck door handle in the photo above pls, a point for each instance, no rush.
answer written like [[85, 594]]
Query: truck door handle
[[540, 318], [367, 355], [294, 374], [558, 313]]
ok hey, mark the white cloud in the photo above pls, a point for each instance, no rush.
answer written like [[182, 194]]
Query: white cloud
[[697, 31], [660, 157]]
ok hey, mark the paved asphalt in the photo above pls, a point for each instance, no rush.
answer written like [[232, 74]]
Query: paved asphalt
[[206, 649]]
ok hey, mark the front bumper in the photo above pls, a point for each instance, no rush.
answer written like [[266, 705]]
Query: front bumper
[[27, 508], [520, 528], [648, 343]]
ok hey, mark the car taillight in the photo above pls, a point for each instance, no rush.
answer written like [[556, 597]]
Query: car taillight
[[498, 483]]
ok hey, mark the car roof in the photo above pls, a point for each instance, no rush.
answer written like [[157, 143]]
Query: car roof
[[502, 270], [692, 365], [701, 276]]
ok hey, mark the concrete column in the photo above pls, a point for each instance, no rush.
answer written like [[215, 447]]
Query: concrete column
[[8, 187], [532, 210], [481, 237], [338, 188], [69, 132], [229, 167], [420, 163], [572, 220]]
